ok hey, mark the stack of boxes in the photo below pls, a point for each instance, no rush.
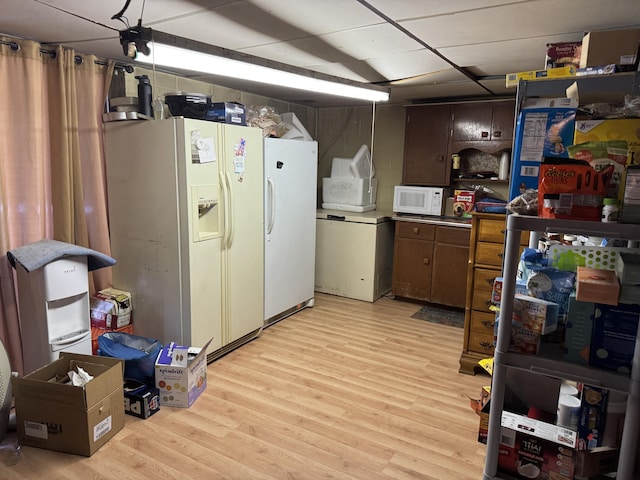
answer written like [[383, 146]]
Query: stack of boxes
[[601, 329], [111, 311], [552, 129]]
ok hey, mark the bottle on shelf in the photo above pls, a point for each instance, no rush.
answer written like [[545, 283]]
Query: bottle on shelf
[[455, 166]]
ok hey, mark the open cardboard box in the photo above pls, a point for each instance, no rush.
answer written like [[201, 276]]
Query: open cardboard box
[[52, 413]]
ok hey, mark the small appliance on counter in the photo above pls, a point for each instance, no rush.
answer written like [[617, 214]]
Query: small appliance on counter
[[419, 200]]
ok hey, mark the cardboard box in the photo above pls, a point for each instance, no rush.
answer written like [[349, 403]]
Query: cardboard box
[[534, 314], [599, 70], [628, 268], [614, 336], [610, 46], [597, 285], [181, 377], [531, 448], [544, 128], [141, 402], [597, 461], [226, 112], [577, 340], [74, 419], [496, 293], [631, 195], [463, 202], [512, 79], [591, 421], [111, 308], [563, 54]]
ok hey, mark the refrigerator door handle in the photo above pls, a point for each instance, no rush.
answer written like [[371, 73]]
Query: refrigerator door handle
[[229, 211], [272, 204]]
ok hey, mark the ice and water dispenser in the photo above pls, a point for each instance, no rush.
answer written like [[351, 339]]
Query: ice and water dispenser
[[53, 299]]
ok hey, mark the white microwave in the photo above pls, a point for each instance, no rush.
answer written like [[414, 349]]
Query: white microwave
[[419, 200]]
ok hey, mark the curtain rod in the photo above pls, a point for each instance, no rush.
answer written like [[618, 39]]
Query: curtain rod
[[15, 46]]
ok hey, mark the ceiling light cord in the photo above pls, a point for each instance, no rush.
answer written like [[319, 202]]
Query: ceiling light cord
[[373, 133]]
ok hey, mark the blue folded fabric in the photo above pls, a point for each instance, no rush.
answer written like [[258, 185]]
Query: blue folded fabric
[[37, 255]]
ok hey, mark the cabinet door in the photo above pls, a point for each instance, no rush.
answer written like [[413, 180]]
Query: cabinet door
[[427, 158], [412, 268], [502, 121], [471, 122], [450, 265]]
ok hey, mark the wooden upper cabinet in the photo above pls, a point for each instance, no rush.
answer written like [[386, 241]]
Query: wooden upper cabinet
[[427, 154], [486, 126]]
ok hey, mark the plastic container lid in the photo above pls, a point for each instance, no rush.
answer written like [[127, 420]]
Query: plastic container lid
[[610, 201]]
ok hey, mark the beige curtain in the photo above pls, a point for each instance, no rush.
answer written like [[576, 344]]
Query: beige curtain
[[52, 178]]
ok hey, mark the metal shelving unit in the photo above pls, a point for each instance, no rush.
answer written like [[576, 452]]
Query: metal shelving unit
[[503, 359]]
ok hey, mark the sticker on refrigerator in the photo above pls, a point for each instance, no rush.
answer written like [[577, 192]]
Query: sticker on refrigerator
[[239, 155]]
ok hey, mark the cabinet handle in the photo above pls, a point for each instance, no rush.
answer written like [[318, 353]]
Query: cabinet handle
[[503, 231], [497, 134], [486, 345], [488, 303], [488, 323], [485, 134], [425, 260], [490, 280], [500, 255], [440, 158], [416, 230]]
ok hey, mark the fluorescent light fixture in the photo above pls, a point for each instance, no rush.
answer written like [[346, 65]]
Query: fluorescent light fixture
[[220, 61]]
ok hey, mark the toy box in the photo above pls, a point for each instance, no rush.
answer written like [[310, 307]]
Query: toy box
[[544, 128], [614, 336], [181, 376]]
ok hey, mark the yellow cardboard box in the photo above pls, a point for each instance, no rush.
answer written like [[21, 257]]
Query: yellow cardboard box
[[512, 79]]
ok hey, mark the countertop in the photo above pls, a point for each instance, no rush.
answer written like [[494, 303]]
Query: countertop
[[372, 216], [445, 221]]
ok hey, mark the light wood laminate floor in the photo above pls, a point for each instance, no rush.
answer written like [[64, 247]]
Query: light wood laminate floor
[[344, 390]]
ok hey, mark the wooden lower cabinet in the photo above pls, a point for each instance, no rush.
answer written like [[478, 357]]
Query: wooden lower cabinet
[[485, 264], [430, 263]]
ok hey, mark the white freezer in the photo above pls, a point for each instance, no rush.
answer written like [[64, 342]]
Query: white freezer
[[354, 253], [290, 226]]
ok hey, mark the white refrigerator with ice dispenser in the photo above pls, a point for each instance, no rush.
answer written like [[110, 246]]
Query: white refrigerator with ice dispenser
[[291, 168], [186, 224]]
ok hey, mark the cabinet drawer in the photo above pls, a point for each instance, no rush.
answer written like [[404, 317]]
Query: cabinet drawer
[[493, 230], [482, 287], [489, 253], [483, 322], [481, 343], [453, 235], [422, 231]]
